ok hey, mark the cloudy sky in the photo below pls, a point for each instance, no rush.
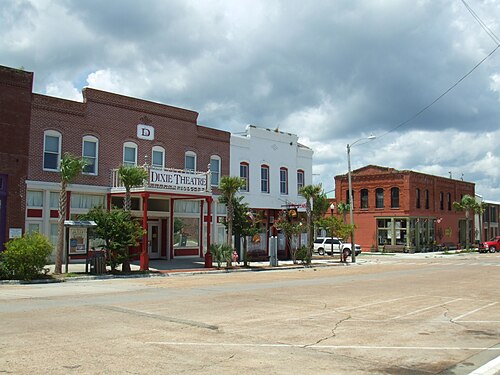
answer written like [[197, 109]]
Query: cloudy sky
[[332, 72]]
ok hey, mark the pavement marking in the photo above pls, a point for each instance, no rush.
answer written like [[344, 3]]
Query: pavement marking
[[361, 347], [473, 311], [426, 308], [377, 303], [489, 368]]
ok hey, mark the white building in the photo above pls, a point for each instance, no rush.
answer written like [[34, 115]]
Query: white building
[[275, 166]]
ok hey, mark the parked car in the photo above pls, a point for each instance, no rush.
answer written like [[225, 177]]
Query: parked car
[[323, 245], [490, 246]]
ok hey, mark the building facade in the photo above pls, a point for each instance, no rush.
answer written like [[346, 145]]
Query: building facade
[[274, 166], [402, 210], [489, 221]]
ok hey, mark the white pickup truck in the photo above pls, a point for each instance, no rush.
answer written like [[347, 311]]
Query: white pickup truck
[[324, 245]]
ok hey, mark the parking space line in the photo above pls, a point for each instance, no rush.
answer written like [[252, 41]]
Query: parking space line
[[425, 309], [473, 311], [377, 303], [489, 368]]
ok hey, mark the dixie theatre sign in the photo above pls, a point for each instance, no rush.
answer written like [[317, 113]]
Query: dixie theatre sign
[[178, 180]]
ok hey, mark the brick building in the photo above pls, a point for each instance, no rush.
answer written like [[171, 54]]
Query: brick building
[[404, 210], [15, 113], [108, 130]]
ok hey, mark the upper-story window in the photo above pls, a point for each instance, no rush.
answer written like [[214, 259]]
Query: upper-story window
[[190, 161], [449, 201], [395, 197], [90, 150], [129, 154], [158, 157], [379, 198], [51, 150], [441, 200], [418, 198], [348, 198], [364, 198], [244, 174], [300, 180], [215, 169], [264, 178], [283, 180], [427, 199]]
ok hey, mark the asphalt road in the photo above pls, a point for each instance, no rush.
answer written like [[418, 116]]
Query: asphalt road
[[384, 315]]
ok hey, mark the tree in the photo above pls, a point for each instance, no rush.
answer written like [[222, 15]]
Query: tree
[[343, 208], [310, 193], [290, 228], [118, 230], [228, 187], [467, 204], [71, 166], [131, 176], [245, 223], [336, 227]]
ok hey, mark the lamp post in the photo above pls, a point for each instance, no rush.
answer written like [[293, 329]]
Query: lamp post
[[332, 207], [351, 203]]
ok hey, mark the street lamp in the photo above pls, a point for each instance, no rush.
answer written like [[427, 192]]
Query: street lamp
[[332, 207], [351, 203]]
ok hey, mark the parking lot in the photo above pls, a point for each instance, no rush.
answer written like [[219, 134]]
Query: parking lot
[[384, 315]]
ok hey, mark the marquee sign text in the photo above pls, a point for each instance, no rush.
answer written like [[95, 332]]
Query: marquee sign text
[[177, 180]]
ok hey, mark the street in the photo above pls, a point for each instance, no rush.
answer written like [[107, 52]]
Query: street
[[404, 314]]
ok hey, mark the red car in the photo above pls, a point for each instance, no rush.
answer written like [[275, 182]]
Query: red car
[[491, 245]]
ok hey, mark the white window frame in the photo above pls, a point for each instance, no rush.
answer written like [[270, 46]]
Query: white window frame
[[190, 154], [284, 181], [133, 146], [158, 149], [300, 184], [268, 177], [52, 133], [215, 180], [91, 139], [246, 166]]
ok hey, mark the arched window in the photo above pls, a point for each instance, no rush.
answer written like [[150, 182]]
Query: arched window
[[418, 198], [90, 153], [379, 198], [347, 198], [129, 154], [264, 178], [441, 200], [215, 169], [244, 174], [300, 180], [51, 150], [283, 181], [364, 198], [426, 198], [158, 157], [190, 160], [449, 201], [395, 197]]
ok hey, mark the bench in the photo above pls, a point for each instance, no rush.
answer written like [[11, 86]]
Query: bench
[[394, 249]]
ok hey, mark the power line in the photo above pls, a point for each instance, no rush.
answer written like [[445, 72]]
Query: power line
[[488, 31]]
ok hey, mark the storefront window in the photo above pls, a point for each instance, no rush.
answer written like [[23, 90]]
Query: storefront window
[[186, 232], [384, 229]]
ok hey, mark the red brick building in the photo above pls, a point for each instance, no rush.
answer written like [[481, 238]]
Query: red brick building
[[15, 113], [402, 210], [184, 160]]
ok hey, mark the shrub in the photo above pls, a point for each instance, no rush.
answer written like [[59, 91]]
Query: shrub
[[221, 253], [24, 258], [303, 255]]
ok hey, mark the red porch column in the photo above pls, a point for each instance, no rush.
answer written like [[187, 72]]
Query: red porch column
[[208, 255], [144, 259]]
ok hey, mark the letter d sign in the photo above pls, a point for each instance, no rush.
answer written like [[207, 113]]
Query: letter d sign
[[145, 132]]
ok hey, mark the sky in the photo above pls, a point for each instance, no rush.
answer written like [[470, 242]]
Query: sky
[[332, 72]]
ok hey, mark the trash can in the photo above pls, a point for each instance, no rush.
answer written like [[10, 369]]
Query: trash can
[[97, 263]]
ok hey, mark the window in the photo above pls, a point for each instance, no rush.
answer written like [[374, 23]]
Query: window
[[244, 170], [264, 179], [394, 197], [441, 200], [51, 150], [158, 157], [89, 154], [300, 180], [34, 198], [283, 180], [418, 198], [364, 198], [379, 198], [190, 161], [129, 154], [215, 169], [347, 198], [86, 201], [426, 198], [449, 201]]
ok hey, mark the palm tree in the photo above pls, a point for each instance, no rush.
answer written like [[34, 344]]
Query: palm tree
[[310, 193], [343, 209], [131, 176], [467, 204], [70, 167], [228, 187]]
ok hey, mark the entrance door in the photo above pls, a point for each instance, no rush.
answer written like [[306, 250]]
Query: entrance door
[[154, 240]]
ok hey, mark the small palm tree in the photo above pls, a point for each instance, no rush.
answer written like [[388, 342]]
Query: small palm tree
[[310, 193], [131, 176], [343, 208], [70, 167], [228, 187], [467, 204]]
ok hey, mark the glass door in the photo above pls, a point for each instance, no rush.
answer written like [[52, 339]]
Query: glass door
[[154, 240]]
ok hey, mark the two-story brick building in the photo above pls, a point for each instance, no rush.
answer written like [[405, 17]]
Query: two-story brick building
[[404, 210]]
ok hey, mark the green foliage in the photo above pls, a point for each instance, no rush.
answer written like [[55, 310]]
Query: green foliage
[[221, 253], [131, 176], [25, 258], [468, 204], [303, 255], [313, 194], [335, 226], [291, 228], [228, 187], [343, 208], [118, 230]]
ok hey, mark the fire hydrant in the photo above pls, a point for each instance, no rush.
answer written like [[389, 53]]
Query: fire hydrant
[[235, 257]]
